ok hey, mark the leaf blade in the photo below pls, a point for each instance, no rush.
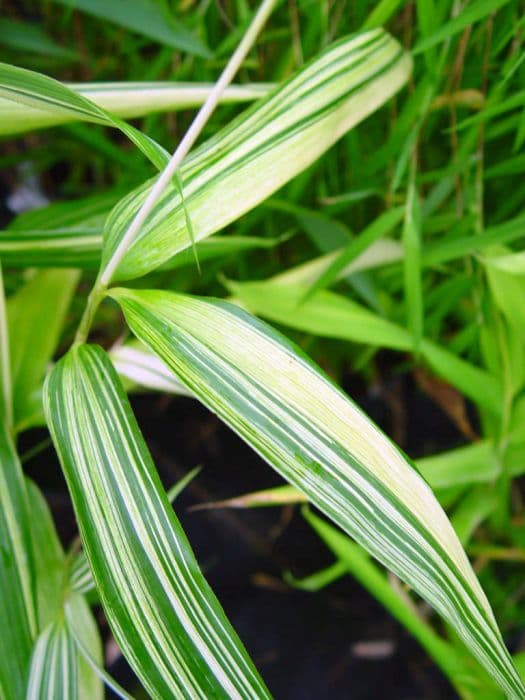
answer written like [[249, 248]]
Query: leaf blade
[[309, 431], [262, 149], [161, 610]]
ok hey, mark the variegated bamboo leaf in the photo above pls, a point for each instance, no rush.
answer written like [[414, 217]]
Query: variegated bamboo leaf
[[40, 92], [126, 100], [262, 149], [309, 431], [170, 626]]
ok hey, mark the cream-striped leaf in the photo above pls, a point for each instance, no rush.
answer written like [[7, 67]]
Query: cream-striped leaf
[[262, 149], [54, 665], [308, 429], [80, 246], [125, 99], [162, 612]]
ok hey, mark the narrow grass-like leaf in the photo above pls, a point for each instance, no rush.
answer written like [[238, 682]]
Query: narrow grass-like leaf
[[6, 388], [473, 12], [412, 264], [48, 556], [162, 612], [18, 623], [24, 36], [54, 665], [465, 675], [144, 17], [262, 149], [126, 100], [378, 228], [310, 432]]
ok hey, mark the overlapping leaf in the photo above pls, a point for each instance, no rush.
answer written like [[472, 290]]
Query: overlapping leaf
[[282, 405], [262, 149], [162, 612], [42, 93], [125, 100]]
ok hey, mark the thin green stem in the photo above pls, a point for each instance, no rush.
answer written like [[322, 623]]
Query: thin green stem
[[95, 297]]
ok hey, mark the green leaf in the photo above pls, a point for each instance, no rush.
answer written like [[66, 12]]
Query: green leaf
[[48, 556], [36, 315], [18, 621], [318, 440], [377, 229], [262, 149], [334, 316], [163, 614], [412, 267], [84, 630], [54, 665], [6, 387], [51, 578], [475, 463], [23, 36], [144, 17], [126, 100], [473, 12]]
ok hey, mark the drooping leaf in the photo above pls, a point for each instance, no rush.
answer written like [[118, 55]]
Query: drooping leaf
[[262, 149], [43, 93], [310, 432], [166, 619]]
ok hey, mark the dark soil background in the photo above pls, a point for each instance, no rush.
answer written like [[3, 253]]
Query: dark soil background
[[303, 643]]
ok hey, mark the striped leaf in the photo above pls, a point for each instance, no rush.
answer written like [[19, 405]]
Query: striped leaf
[[81, 578], [166, 619], [319, 441], [18, 623], [262, 149], [80, 246], [54, 665], [37, 91], [126, 100]]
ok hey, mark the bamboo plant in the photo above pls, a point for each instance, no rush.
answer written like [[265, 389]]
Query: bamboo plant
[[132, 549]]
